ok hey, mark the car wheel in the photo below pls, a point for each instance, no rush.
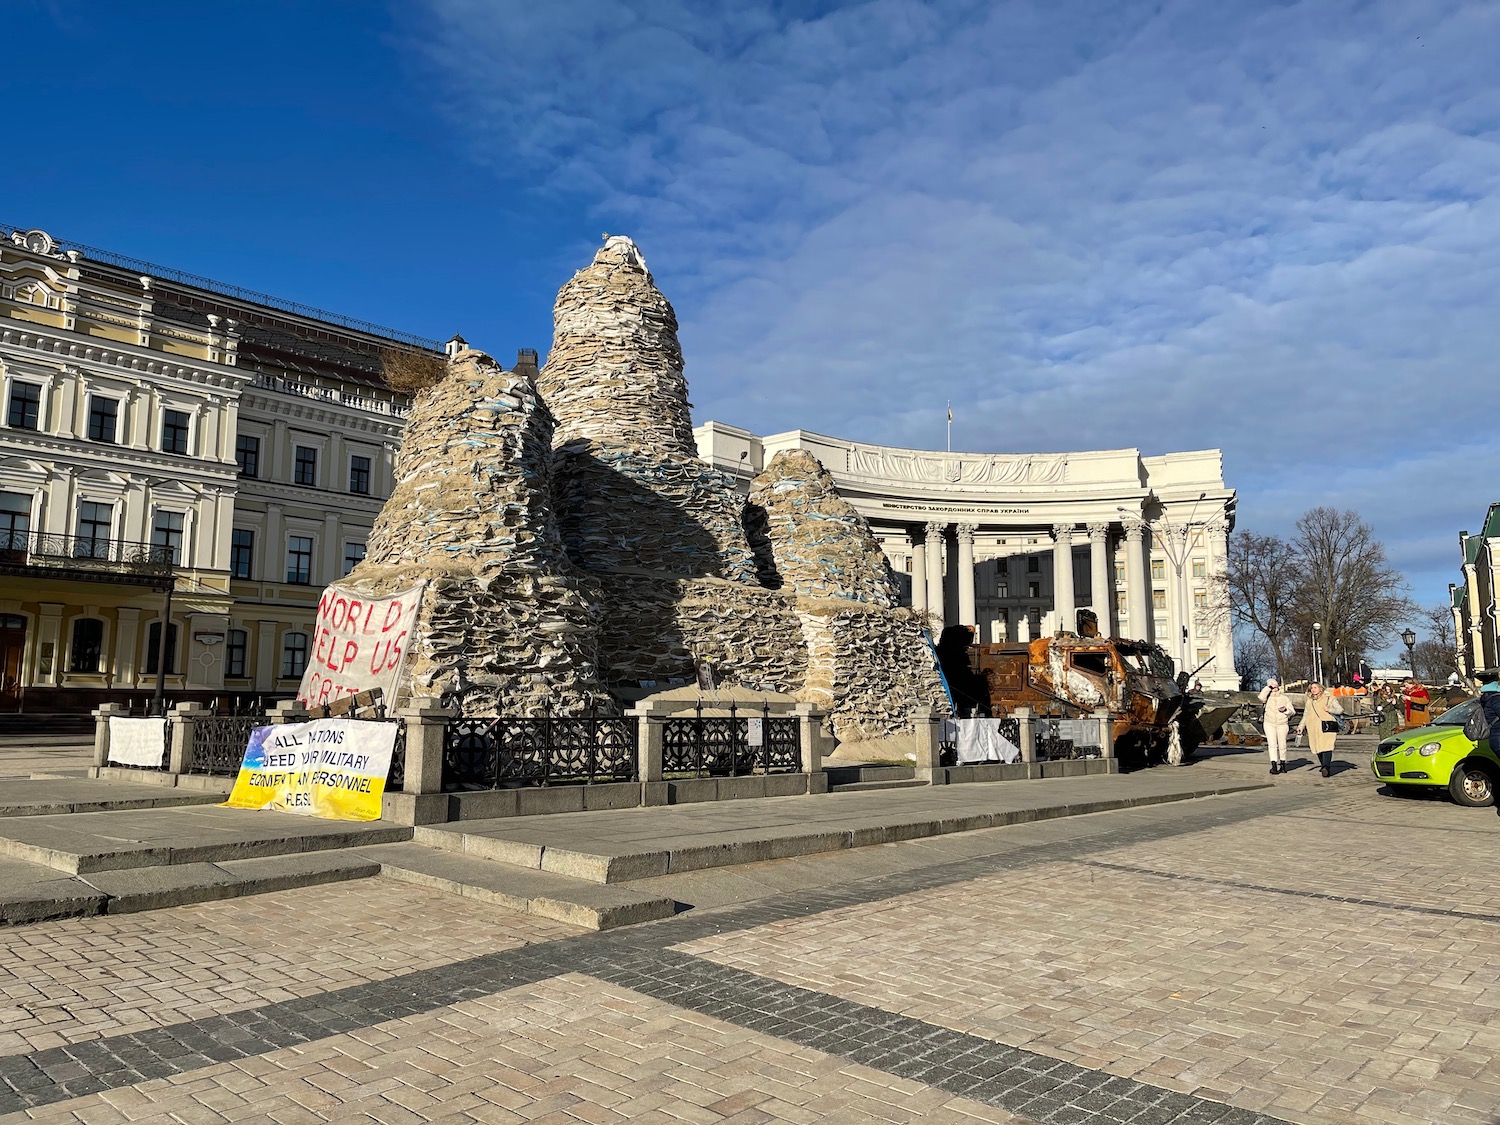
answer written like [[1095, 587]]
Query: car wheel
[[1472, 786]]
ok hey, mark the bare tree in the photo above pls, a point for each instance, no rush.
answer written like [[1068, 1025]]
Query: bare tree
[[1345, 583], [1259, 587], [1254, 660], [1436, 654]]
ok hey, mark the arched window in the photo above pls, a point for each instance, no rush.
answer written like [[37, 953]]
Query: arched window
[[87, 650]]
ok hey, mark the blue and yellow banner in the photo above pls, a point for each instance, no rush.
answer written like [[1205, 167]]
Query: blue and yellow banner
[[333, 768]]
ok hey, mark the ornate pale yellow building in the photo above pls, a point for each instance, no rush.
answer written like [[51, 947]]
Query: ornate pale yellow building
[[161, 434]]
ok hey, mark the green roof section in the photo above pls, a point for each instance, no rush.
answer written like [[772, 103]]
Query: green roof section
[[1471, 543], [1491, 522]]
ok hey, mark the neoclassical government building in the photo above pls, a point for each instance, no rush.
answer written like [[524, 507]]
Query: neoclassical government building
[[1018, 544]]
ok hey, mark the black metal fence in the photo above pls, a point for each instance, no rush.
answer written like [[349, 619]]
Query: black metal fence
[[219, 743], [731, 745], [503, 753], [37, 548]]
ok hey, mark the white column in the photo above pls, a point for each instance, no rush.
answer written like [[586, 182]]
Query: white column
[[1137, 580], [1221, 635], [273, 550], [333, 551], [966, 611], [935, 534], [918, 571], [1064, 602], [1101, 593]]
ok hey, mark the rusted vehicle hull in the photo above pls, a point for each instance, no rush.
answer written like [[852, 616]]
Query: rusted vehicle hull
[[1068, 676]]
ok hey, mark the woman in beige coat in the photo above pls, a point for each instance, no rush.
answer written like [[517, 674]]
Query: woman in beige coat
[[1321, 708], [1277, 718]]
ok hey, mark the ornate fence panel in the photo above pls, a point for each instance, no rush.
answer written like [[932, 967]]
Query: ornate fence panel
[[219, 742], [503, 753], [720, 746], [1050, 744]]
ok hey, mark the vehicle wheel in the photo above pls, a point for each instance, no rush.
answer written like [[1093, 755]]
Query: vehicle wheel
[[1174, 744], [1472, 786]]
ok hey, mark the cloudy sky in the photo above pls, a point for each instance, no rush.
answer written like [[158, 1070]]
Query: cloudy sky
[[1268, 227]]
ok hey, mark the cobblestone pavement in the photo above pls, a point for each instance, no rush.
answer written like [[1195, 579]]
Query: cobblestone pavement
[[1315, 953]]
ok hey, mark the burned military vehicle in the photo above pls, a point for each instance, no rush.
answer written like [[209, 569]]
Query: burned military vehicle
[[1068, 676]]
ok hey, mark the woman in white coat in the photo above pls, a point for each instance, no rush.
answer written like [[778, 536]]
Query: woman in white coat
[[1277, 718]]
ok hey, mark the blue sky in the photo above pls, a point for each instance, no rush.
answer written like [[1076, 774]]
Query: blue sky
[[1268, 227]]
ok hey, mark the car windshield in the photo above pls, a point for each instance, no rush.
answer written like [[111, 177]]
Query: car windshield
[[1456, 716]]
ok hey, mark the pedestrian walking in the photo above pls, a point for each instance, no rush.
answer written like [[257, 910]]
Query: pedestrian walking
[[1321, 725], [1275, 721]]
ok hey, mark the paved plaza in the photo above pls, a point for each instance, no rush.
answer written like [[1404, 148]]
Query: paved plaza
[[1310, 951]]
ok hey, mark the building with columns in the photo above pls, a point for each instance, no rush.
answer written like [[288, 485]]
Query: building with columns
[[166, 433], [1018, 545]]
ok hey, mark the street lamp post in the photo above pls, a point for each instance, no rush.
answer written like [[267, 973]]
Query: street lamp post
[[1409, 639], [1317, 652]]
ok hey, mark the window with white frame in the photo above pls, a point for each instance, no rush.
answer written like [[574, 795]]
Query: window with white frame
[[104, 419], [87, 648], [92, 531], [175, 426], [241, 552], [299, 555], [293, 656], [305, 466], [15, 521], [166, 536], [354, 554], [24, 411]]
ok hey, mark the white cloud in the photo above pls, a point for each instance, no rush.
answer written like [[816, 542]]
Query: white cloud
[[1270, 227]]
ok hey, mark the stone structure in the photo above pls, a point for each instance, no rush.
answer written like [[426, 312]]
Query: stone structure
[[505, 622], [1017, 545], [578, 552], [1476, 623]]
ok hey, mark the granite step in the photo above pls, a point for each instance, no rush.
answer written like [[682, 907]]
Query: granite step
[[153, 888], [870, 786], [577, 902]]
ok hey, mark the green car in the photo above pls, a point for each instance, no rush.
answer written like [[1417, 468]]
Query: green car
[[1439, 756]]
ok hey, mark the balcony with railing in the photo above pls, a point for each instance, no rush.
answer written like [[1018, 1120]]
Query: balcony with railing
[[321, 393], [90, 558]]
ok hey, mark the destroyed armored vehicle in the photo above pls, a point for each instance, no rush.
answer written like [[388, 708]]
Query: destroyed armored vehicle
[[1069, 676]]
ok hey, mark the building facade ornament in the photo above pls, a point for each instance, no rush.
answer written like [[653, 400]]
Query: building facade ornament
[[956, 468]]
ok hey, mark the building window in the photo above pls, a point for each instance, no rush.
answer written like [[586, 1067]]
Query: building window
[[359, 475], [293, 655], [241, 552], [104, 418], [299, 552], [1033, 564], [15, 521], [1120, 604], [1202, 655], [354, 554], [1200, 599], [25, 406], [166, 537], [906, 562], [236, 649], [247, 455], [1002, 589], [1158, 570], [174, 431], [1200, 568], [94, 523], [1003, 565], [1034, 616], [1119, 574], [88, 645], [1033, 589], [306, 470], [153, 648], [1158, 599]]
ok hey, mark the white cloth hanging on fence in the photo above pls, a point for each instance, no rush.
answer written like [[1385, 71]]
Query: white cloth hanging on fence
[[980, 740]]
